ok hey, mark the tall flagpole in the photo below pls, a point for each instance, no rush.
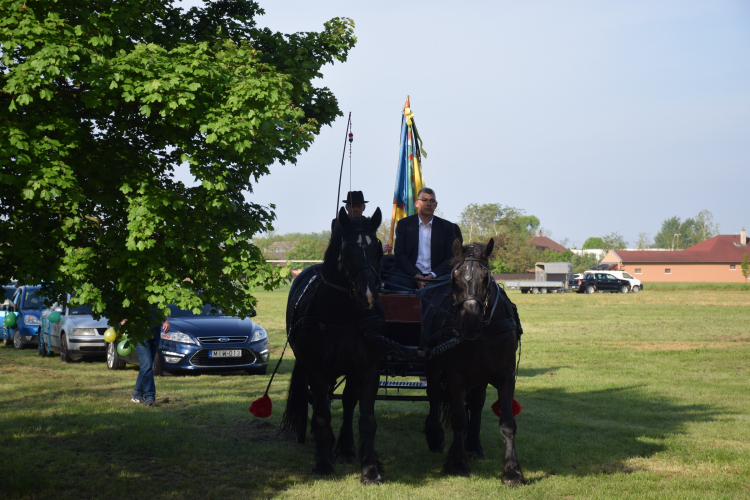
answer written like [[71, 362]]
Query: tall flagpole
[[393, 212]]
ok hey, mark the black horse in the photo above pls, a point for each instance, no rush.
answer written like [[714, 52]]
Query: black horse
[[332, 313], [476, 315]]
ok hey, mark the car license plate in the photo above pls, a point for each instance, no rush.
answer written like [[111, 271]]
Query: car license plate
[[236, 353]]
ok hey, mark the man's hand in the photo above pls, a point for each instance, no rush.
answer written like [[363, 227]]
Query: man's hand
[[419, 277], [165, 325], [387, 248]]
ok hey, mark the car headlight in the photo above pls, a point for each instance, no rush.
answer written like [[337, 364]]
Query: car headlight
[[258, 334], [183, 338], [85, 331], [30, 320]]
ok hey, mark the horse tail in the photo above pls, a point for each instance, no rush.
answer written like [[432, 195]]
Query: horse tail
[[294, 421]]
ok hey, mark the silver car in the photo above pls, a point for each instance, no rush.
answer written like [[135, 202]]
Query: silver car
[[76, 336]]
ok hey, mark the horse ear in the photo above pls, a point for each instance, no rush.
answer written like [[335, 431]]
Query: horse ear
[[488, 248], [343, 218], [376, 219], [458, 248]]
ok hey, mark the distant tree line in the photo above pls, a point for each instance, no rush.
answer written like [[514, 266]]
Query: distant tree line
[[513, 231]]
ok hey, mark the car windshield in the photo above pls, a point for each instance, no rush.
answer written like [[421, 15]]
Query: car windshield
[[32, 300], [83, 309], [206, 310], [627, 276]]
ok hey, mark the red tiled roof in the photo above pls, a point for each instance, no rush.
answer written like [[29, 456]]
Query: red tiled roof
[[722, 248], [545, 243]]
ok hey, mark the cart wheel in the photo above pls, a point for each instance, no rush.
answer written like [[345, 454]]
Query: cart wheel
[[534, 290]]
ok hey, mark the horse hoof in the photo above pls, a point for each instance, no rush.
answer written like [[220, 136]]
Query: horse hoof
[[370, 475], [436, 443], [513, 478], [457, 469], [322, 470]]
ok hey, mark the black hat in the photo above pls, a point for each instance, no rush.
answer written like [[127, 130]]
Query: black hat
[[355, 198]]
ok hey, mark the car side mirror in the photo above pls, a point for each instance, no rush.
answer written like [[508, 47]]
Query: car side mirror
[[253, 313]]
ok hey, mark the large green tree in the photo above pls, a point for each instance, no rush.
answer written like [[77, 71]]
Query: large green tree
[[101, 100]]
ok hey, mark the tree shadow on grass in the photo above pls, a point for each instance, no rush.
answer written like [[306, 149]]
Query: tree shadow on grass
[[563, 433], [193, 445]]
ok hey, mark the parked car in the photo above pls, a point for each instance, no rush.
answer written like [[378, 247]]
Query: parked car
[[75, 336], [635, 284], [602, 282], [28, 307], [6, 333], [573, 284], [204, 342]]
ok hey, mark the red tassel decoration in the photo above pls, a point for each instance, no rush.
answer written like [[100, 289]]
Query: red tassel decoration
[[261, 407], [515, 408]]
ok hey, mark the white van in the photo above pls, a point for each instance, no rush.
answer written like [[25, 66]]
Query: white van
[[635, 284]]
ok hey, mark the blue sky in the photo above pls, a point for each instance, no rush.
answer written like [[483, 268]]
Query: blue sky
[[595, 116]]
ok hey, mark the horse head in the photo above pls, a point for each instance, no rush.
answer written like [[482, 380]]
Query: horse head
[[471, 285], [359, 256]]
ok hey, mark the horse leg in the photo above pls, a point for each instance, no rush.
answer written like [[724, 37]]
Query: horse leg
[[456, 463], [321, 422], [474, 404], [371, 466], [433, 429], [344, 450], [512, 473]]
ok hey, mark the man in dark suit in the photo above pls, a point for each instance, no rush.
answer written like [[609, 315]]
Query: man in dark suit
[[424, 244]]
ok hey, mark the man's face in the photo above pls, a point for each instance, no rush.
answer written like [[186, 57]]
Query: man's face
[[355, 210], [426, 205]]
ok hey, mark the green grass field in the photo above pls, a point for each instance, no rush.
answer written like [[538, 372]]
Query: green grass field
[[624, 396]]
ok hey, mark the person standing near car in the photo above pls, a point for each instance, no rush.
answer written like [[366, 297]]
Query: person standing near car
[[145, 387]]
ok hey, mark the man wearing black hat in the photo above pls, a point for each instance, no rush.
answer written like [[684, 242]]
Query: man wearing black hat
[[355, 206]]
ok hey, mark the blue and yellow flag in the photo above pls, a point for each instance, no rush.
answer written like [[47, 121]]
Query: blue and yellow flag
[[409, 179]]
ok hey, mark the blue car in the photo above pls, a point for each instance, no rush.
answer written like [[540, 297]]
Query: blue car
[[204, 342], [6, 307], [28, 308]]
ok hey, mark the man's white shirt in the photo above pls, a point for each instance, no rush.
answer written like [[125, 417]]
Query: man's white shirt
[[424, 257]]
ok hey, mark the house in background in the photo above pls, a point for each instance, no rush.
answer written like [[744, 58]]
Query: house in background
[[544, 243], [717, 259]]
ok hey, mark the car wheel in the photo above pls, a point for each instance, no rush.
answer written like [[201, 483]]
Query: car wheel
[[542, 290], [534, 290], [636, 289], [64, 353], [624, 289], [113, 359], [257, 371], [17, 342], [590, 289]]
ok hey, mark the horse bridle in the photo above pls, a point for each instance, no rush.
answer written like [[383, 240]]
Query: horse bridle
[[352, 275], [471, 259]]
